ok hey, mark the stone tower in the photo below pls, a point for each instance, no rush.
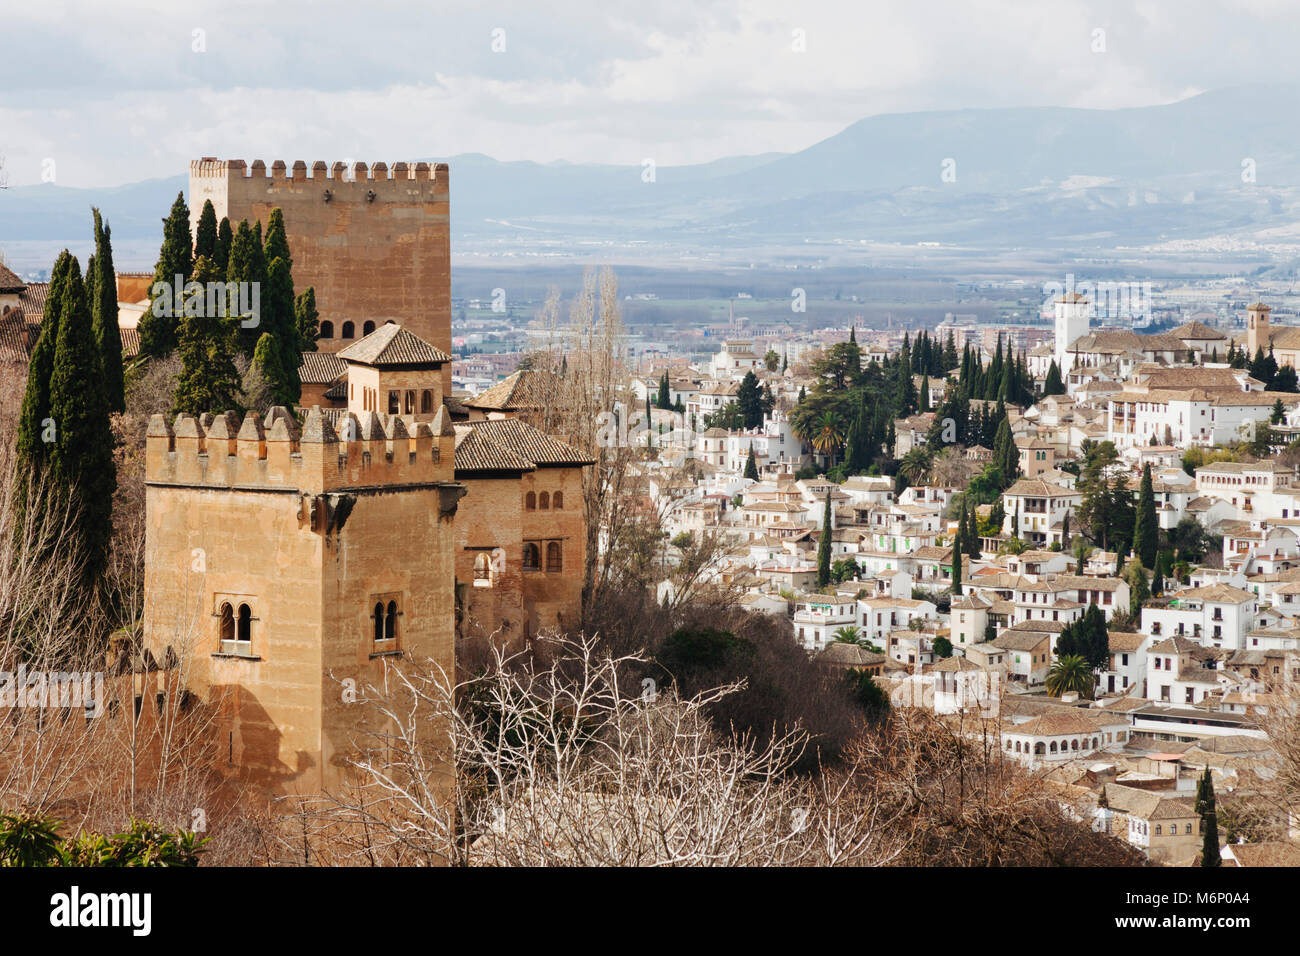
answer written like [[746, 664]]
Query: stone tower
[[1073, 314], [282, 564], [375, 243], [1258, 335]]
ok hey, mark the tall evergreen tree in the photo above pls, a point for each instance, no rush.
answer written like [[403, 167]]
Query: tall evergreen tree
[[243, 266], [35, 435], [973, 547], [175, 258], [205, 234], [209, 381], [81, 458], [1053, 385], [307, 319], [824, 546], [1145, 529], [266, 363], [1005, 453], [1209, 821], [751, 465], [924, 399], [221, 251], [108, 338], [665, 395], [279, 320], [956, 570]]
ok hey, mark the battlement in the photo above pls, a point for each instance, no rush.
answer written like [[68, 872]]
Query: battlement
[[336, 175], [221, 452]]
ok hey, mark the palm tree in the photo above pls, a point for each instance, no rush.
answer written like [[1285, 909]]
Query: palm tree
[[849, 634], [915, 466], [828, 434], [1071, 674]]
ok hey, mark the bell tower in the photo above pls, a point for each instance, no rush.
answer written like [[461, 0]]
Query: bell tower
[[1073, 315], [1258, 335]]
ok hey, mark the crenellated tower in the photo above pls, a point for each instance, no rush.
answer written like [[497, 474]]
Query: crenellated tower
[[284, 562], [373, 241]]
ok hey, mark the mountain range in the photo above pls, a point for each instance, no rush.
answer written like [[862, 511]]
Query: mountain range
[[1220, 164]]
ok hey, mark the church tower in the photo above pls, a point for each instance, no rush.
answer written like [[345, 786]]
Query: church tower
[[1073, 314], [1258, 335]]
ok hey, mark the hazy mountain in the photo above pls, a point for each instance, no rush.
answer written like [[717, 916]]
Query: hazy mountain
[[1020, 176]]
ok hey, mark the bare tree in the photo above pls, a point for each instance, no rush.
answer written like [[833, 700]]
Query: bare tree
[[550, 759]]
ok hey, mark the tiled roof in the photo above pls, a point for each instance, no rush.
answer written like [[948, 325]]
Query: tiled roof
[[33, 300], [1196, 330], [15, 344], [528, 443], [321, 368], [475, 451], [525, 388], [8, 281], [391, 344]]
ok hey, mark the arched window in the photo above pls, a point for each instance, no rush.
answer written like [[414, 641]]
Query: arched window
[[532, 557], [227, 622], [557, 501], [426, 402], [483, 570], [367, 328], [1052, 746], [408, 407], [378, 615], [1039, 749], [326, 330], [544, 503], [349, 330], [530, 501], [554, 559], [1074, 744], [245, 624], [390, 622], [394, 402]]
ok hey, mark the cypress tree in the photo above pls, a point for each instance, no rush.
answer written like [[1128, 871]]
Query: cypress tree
[[956, 570], [925, 393], [266, 360], [1209, 821], [205, 234], [34, 434], [824, 546], [1145, 531], [973, 533], [81, 459], [278, 319], [108, 338], [665, 395], [751, 466], [209, 381], [307, 319], [959, 539], [245, 255], [175, 258], [1005, 453], [1138, 591], [221, 251]]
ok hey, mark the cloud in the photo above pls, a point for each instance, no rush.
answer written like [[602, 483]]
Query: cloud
[[123, 95]]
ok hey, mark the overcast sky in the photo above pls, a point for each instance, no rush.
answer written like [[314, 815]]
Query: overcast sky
[[116, 92]]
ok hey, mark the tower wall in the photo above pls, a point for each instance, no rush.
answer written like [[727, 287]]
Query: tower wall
[[309, 532], [374, 242]]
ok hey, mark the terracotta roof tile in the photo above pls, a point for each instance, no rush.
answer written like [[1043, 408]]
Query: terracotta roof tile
[[391, 344]]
